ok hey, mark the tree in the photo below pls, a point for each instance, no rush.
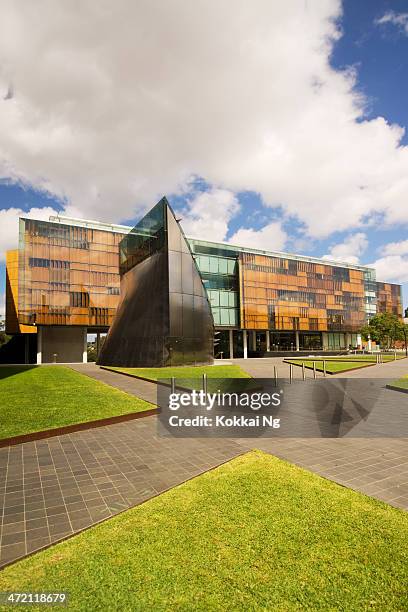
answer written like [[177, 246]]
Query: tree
[[384, 328]]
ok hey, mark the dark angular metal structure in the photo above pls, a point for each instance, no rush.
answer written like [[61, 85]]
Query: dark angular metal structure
[[164, 317]]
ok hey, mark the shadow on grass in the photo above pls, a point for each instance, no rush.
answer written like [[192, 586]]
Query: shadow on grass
[[13, 370]]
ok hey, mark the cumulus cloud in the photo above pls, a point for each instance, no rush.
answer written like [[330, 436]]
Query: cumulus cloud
[[270, 238], [207, 214], [397, 19], [9, 225], [350, 250], [121, 110], [392, 268], [395, 248]]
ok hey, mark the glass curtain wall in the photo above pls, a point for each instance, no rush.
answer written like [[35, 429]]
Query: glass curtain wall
[[219, 272]]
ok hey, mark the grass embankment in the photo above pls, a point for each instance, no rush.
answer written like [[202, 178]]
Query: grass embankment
[[190, 377], [47, 397], [183, 372], [332, 367], [255, 534], [400, 385], [371, 358]]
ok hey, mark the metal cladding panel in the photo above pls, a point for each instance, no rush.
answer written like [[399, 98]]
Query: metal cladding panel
[[164, 317], [191, 324], [136, 338]]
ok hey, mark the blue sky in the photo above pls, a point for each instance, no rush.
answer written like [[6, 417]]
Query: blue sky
[[374, 44]]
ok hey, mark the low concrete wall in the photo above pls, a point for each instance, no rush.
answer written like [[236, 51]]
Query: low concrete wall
[[66, 342]]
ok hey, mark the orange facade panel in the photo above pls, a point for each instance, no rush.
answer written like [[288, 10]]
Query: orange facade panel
[[287, 294], [389, 298], [13, 326], [68, 275]]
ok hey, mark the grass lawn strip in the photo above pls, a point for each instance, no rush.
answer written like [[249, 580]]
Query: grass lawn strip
[[229, 378], [184, 372], [48, 397], [331, 367], [255, 534], [371, 358], [399, 385]]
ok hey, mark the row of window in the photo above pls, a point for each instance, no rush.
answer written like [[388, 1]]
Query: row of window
[[279, 265], [229, 283], [228, 299], [225, 316], [40, 262], [216, 265]]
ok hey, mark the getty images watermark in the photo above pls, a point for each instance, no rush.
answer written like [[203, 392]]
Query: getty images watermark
[[202, 409], [322, 408], [209, 401]]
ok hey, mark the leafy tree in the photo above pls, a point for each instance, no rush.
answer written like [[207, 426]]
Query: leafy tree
[[4, 338], [384, 328]]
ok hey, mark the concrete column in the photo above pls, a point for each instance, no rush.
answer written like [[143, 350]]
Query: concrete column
[[268, 341], [297, 340], [359, 341], [98, 343], [85, 349], [348, 340], [369, 345], [231, 344], [254, 340], [245, 341], [39, 345]]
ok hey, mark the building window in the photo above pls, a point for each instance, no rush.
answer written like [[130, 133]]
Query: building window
[[79, 299]]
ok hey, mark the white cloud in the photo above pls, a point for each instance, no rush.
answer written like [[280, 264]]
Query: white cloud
[[119, 111], [9, 225], [398, 19], [208, 213], [392, 268], [395, 248], [270, 238], [350, 250]]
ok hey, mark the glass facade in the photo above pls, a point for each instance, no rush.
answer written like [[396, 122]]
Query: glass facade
[[218, 267], [68, 275]]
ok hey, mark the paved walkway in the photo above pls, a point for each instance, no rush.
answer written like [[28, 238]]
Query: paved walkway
[[134, 386]]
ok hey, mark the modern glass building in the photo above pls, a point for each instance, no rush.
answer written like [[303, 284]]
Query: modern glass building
[[68, 276]]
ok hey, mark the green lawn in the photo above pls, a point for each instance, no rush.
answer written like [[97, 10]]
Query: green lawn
[[184, 372], [190, 377], [46, 397], [332, 367], [401, 383], [255, 534], [371, 358]]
